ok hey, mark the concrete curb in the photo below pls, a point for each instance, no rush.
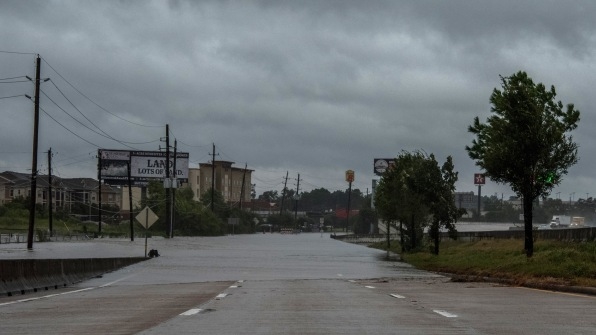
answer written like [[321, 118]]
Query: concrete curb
[[509, 282], [18, 276]]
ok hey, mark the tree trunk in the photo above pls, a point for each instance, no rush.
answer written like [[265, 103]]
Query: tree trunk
[[436, 238], [401, 236], [529, 241], [413, 234]]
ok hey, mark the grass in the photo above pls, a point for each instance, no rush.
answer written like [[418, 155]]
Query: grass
[[62, 227], [553, 263]]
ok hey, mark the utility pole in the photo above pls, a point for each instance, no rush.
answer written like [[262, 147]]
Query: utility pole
[[33, 195], [168, 198], [130, 216], [283, 196], [99, 188], [50, 209], [242, 187], [174, 186], [349, 201], [297, 192], [213, 178]]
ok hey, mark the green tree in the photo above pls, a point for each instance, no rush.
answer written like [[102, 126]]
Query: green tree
[[525, 143], [364, 219], [270, 196], [440, 196], [420, 193], [397, 198], [220, 208]]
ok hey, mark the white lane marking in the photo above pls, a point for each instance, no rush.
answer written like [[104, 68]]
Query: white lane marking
[[340, 275], [444, 313], [241, 281], [191, 312], [397, 296], [220, 296], [115, 281], [65, 293], [369, 286], [352, 281], [46, 296]]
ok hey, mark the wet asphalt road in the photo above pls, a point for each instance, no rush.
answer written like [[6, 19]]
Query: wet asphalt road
[[277, 284]]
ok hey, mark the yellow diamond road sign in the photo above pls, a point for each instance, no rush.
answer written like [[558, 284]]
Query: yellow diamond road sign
[[146, 217]]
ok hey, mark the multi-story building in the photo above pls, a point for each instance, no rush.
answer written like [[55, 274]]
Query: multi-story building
[[233, 183]]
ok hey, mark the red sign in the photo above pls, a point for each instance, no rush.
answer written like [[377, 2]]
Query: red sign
[[479, 179]]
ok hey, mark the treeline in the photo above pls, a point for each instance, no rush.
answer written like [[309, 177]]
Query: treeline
[[317, 200]]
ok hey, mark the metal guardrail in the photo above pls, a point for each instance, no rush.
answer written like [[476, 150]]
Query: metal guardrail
[[365, 238], [567, 235]]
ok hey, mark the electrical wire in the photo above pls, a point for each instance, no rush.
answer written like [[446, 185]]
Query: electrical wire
[[17, 52], [10, 78], [96, 126], [70, 131], [13, 96], [84, 125], [96, 104]]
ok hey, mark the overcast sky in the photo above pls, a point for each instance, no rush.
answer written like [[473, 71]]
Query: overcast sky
[[310, 87]]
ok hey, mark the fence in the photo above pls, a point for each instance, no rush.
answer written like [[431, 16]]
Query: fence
[[566, 235]]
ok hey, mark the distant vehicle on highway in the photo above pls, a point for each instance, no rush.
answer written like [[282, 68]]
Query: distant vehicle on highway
[[545, 226]]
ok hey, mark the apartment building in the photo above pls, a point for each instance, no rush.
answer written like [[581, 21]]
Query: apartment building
[[232, 182], [66, 192]]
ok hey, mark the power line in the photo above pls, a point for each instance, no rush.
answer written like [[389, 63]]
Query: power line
[[95, 103], [10, 78], [14, 96], [70, 131], [13, 81], [17, 52], [96, 126]]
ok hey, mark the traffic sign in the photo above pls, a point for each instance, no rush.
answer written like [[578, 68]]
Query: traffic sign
[[479, 179], [146, 217]]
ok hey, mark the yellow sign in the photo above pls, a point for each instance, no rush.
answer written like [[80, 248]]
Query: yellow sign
[[350, 176]]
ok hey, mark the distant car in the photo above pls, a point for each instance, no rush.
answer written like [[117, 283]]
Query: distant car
[[545, 226]]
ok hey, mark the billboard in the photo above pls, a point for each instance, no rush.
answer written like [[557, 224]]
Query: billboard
[[382, 164], [144, 166]]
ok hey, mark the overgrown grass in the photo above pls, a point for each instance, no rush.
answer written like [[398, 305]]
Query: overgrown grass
[[66, 227], [556, 263]]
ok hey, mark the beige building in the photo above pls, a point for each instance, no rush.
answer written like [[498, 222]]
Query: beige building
[[66, 192], [233, 183]]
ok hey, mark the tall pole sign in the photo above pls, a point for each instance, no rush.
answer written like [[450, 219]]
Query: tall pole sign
[[349, 179], [479, 180]]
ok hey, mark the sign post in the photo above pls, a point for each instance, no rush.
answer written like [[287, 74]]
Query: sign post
[[479, 180], [146, 218], [349, 179]]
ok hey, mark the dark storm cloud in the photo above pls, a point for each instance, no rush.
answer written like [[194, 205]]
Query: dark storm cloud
[[313, 87]]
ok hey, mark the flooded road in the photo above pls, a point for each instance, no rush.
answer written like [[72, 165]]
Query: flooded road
[[276, 284]]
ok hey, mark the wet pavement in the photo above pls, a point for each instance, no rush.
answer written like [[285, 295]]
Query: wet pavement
[[277, 284]]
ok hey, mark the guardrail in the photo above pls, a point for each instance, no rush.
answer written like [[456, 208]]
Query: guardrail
[[567, 235], [365, 238], [23, 275]]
